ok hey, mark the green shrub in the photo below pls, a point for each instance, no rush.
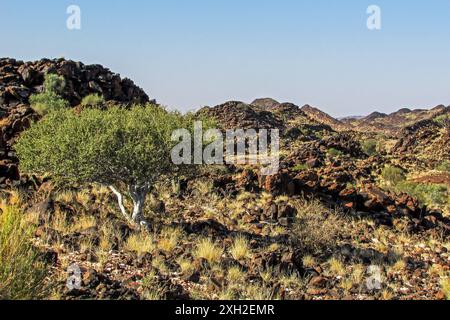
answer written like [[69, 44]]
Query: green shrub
[[442, 119], [93, 101], [370, 147], [22, 275], [50, 99], [393, 175], [444, 166], [43, 103], [300, 167], [54, 84], [332, 152], [428, 194], [126, 150]]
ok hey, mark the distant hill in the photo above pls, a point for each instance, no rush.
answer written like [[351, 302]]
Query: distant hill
[[394, 123]]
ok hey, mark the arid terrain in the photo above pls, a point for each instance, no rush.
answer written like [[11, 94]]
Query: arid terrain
[[359, 210]]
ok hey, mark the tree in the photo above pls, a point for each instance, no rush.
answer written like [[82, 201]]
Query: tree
[[126, 150]]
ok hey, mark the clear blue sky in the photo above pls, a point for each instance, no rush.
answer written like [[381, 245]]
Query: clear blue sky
[[191, 53]]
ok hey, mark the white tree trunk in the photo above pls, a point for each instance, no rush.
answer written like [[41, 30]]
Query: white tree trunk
[[120, 202], [138, 196]]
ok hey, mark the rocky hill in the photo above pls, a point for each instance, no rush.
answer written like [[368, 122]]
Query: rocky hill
[[19, 80], [340, 203], [325, 118], [394, 123]]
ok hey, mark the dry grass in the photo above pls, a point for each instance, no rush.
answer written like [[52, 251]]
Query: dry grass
[[186, 265], [235, 275], [22, 274], [140, 243], [83, 197], [82, 223], [240, 248], [358, 273], [309, 261], [336, 267], [59, 222], [445, 285], [208, 250], [169, 239], [317, 228], [65, 196]]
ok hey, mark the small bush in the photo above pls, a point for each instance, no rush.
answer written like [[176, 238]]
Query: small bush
[[442, 119], [300, 167], [444, 166], [393, 175], [93, 101], [43, 103], [370, 147], [54, 84], [431, 195], [332, 152], [22, 275]]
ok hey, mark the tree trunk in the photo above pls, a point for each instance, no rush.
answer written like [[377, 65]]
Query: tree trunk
[[138, 195], [138, 206]]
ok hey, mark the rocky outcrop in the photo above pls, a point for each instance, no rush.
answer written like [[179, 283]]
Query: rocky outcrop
[[238, 115], [324, 118], [427, 140], [19, 80], [394, 123]]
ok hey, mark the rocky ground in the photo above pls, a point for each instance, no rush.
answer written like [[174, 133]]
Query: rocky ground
[[333, 223]]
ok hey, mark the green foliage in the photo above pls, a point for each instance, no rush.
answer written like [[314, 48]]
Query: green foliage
[[93, 101], [370, 147], [393, 175], [22, 275], [442, 119], [54, 84], [43, 103], [300, 167], [108, 147], [428, 194], [444, 166], [50, 99], [332, 152]]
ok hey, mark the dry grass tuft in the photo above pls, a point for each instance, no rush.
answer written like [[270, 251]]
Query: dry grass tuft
[[317, 228], [240, 248], [208, 250], [336, 267], [169, 239], [140, 243]]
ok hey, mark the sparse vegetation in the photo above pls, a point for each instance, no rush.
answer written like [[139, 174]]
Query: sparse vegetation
[[208, 250], [50, 100], [240, 248], [433, 195], [315, 229], [370, 147], [22, 274], [393, 175], [444, 166], [140, 243], [333, 152], [93, 101]]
